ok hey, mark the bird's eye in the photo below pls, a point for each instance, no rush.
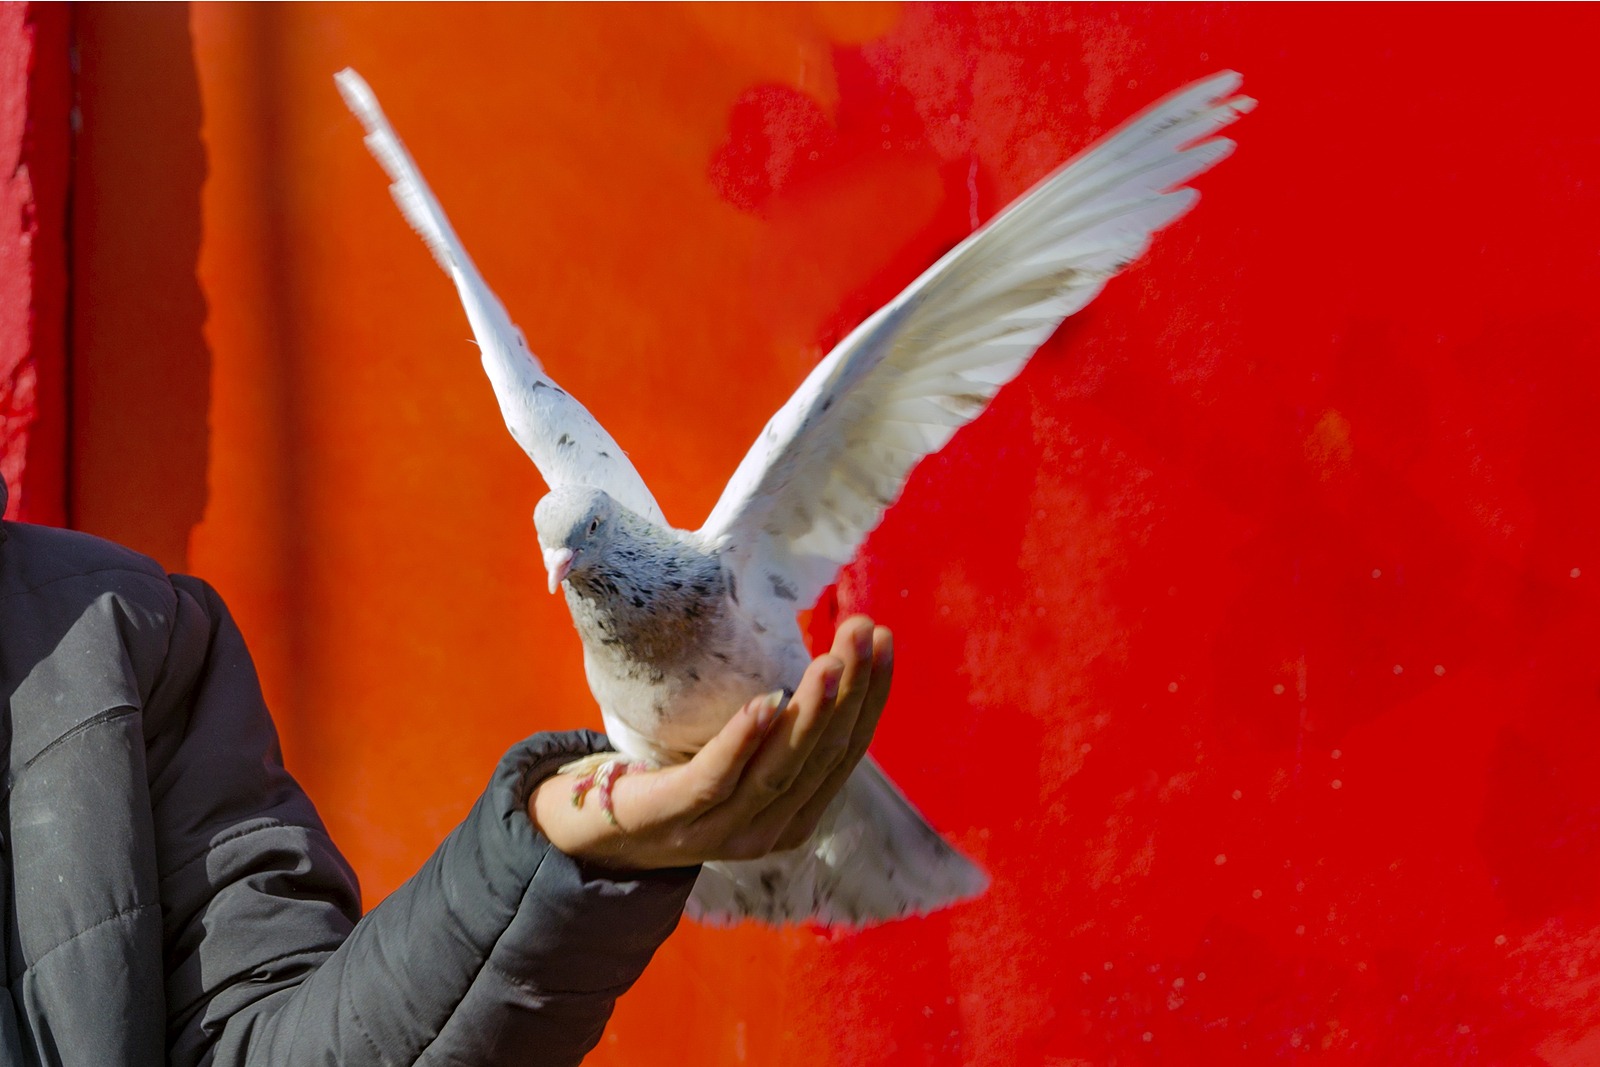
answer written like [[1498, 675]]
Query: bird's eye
[[594, 524]]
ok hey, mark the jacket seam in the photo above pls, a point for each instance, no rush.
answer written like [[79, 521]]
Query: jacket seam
[[166, 655], [366, 1035], [530, 986], [116, 916]]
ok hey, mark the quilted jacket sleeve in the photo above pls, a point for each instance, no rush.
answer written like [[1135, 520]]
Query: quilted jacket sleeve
[[500, 950]]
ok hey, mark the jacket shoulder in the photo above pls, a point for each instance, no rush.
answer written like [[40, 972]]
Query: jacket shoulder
[[85, 628], [32, 557]]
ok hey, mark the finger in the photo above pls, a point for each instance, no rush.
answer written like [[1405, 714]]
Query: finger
[[806, 818], [772, 770], [715, 771], [853, 645]]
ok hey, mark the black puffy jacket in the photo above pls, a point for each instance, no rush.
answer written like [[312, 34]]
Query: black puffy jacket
[[170, 895]]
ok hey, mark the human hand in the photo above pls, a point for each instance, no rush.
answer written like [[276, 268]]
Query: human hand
[[760, 785]]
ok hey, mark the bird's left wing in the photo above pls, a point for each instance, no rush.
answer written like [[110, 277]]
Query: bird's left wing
[[837, 454], [564, 441]]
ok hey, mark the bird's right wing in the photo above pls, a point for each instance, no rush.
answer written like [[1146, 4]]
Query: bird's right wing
[[838, 453], [564, 441]]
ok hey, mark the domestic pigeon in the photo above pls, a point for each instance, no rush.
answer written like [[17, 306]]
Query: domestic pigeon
[[680, 628]]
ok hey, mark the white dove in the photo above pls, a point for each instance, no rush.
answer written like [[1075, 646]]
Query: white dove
[[680, 628]]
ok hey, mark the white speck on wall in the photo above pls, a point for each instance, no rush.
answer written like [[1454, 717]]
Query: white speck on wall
[[1300, 931], [1278, 689], [1575, 572], [1499, 939], [1336, 753], [1222, 858], [1438, 669], [1255, 894], [1237, 793], [1337, 784], [1376, 573], [1148, 1037], [1201, 977], [1399, 669], [1172, 687]]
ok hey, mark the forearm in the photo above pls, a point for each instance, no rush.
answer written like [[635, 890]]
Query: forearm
[[500, 949]]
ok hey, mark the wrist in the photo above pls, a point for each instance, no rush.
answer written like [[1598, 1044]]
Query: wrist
[[583, 832]]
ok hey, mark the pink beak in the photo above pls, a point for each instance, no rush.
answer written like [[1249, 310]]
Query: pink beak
[[557, 562]]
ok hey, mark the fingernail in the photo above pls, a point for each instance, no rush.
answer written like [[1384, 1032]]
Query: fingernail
[[885, 655], [770, 704], [830, 682], [864, 643]]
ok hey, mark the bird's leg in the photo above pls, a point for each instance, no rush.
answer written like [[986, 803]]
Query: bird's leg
[[599, 772]]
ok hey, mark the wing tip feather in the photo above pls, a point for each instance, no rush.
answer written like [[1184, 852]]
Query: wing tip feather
[[359, 97]]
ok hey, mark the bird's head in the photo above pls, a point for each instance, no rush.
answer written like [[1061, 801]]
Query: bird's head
[[574, 525]]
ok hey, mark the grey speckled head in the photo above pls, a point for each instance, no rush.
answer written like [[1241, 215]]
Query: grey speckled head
[[574, 524]]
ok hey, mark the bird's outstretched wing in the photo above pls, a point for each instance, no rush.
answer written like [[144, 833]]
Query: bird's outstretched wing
[[819, 477], [564, 441]]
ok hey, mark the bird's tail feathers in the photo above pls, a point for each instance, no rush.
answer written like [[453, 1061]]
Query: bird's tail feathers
[[875, 859]]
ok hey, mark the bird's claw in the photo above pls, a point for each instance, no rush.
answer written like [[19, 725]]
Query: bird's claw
[[600, 773]]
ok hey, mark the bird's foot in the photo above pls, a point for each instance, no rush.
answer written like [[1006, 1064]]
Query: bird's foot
[[599, 772]]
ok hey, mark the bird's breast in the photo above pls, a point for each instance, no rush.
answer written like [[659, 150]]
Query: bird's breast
[[670, 665]]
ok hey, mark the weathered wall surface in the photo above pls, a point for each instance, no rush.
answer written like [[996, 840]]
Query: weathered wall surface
[[35, 98], [1249, 639]]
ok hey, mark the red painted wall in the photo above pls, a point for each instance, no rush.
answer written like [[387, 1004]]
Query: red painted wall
[[34, 145], [1249, 639]]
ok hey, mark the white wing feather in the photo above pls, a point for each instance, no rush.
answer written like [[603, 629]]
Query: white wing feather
[[564, 441], [838, 453]]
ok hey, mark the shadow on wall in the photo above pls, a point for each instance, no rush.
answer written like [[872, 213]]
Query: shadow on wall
[[139, 440]]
